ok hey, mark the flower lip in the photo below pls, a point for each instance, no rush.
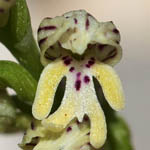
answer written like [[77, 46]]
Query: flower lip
[[81, 34]]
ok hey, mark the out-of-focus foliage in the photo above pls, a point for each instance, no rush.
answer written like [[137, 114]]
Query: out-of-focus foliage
[[15, 76], [17, 36], [11, 118]]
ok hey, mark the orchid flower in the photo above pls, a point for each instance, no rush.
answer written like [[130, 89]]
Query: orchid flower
[[78, 47]]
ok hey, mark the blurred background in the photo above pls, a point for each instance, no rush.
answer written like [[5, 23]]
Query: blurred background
[[132, 18]]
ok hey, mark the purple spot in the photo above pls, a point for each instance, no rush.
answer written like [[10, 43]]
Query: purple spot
[[75, 21], [69, 129], [78, 85], [2, 10], [87, 24], [47, 28], [42, 41], [78, 74], [71, 69], [67, 61], [86, 79], [32, 126], [87, 65], [116, 31], [91, 62], [101, 46]]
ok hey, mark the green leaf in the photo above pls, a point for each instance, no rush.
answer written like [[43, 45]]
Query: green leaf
[[16, 77], [5, 6], [119, 134], [23, 121], [17, 36]]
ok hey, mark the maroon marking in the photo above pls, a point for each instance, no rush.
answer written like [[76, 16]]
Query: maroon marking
[[78, 85], [67, 61], [86, 118], [69, 129], [101, 46], [47, 28], [47, 56], [116, 31], [2, 10], [86, 79], [71, 69], [91, 62], [87, 24], [111, 54], [32, 126], [42, 41], [75, 21], [88, 133]]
